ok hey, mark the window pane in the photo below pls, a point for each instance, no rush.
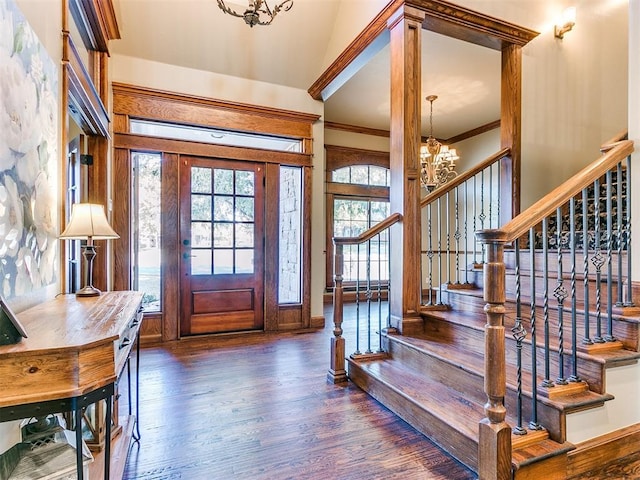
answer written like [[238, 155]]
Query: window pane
[[200, 262], [244, 183], [201, 235], [378, 176], [360, 174], [244, 209], [223, 235], [244, 235], [379, 211], [342, 175], [222, 261], [290, 240], [215, 136], [146, 232], [223, 209], [200, 207], [200, 180], [223, 181], [244, 261]]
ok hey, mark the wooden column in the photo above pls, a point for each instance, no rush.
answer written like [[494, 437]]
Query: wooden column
[[494, 447], [405, 46], [337, 372], [511, 131]]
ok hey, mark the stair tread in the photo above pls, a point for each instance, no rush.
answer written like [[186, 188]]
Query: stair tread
[[473, 362], [430, 395]]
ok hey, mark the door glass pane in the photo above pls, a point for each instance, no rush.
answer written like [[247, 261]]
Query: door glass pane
[[200, 262], [223, 181], [222, 261], [244, 235], [290, 235], [244, 261], [201, 235], [147, 220], [200, 180], [223, 235], [200, 207], [223, 209], [244, 209], [244, 183]]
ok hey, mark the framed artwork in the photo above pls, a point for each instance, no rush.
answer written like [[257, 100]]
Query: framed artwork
[[28, 157]]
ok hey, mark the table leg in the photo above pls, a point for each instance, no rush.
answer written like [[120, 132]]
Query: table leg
[[77, 411], [107, 444]]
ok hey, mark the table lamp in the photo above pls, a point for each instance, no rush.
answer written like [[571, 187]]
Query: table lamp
[[88, 222]]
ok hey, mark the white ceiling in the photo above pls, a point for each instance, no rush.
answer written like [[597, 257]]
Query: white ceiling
[[291, 52]]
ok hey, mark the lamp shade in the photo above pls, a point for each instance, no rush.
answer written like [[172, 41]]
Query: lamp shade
[[88, 221]]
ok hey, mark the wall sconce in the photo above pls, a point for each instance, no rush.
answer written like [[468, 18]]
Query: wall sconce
[[568, 21]]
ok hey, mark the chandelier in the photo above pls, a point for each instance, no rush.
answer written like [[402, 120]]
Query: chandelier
[[257, 8], [437, 161]]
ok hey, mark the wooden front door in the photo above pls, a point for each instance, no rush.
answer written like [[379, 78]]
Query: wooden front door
[[222, 245]]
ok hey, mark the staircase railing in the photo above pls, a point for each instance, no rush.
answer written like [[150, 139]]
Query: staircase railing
[[369, 286], [451, 215], [587, 216]]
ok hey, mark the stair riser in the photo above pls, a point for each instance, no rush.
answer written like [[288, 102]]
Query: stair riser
[[452, 441]]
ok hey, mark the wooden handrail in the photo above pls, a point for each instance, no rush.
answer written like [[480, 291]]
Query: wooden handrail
[[369, 234], [615, 140], [563, 193], [463, 177]]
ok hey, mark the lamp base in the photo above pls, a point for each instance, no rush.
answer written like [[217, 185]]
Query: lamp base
[[88, 291]]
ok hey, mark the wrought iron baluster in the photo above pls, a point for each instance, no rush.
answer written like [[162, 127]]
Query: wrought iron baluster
[[598, 261], [475, 211], [609, 335], [545, 303], [439, 207], [499, 194], [574, 327], [619, 221], [585, 252], [357, 352], [466, 232], [456, 235], [448, 239], [490, 195], [560, 292], [482, 216], [629, 300], [368, 296], [379, 236], [533, 423], [519, 334], [430, 256]]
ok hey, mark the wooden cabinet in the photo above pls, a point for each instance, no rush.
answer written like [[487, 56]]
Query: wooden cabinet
[[76, 350]]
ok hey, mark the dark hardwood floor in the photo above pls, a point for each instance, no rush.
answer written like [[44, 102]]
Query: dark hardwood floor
[[259, 407]]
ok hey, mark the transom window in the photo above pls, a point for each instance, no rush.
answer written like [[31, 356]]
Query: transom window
[[362, 175]]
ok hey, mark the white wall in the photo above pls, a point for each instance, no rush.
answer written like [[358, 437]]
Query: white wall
[[356, 140]]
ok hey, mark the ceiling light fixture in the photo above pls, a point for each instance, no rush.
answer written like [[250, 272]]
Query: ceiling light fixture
[[257, 8], [437, 161]]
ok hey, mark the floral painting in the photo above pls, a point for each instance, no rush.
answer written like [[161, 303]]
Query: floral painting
[[28, 157]]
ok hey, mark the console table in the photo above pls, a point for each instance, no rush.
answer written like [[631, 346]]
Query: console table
[[77, 347]]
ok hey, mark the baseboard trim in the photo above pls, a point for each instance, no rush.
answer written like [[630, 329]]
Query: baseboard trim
[[597, 452], [317, 322]]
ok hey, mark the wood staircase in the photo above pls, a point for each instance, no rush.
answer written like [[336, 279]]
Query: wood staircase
[[452, 377], [433, 379]]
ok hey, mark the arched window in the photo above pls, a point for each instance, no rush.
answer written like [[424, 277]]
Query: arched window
[[357, 192]]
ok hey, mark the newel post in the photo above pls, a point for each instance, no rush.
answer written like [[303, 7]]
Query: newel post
[[494, 447], [337, 372]]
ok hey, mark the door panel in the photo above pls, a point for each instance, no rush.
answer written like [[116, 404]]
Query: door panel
[[222, 258]]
